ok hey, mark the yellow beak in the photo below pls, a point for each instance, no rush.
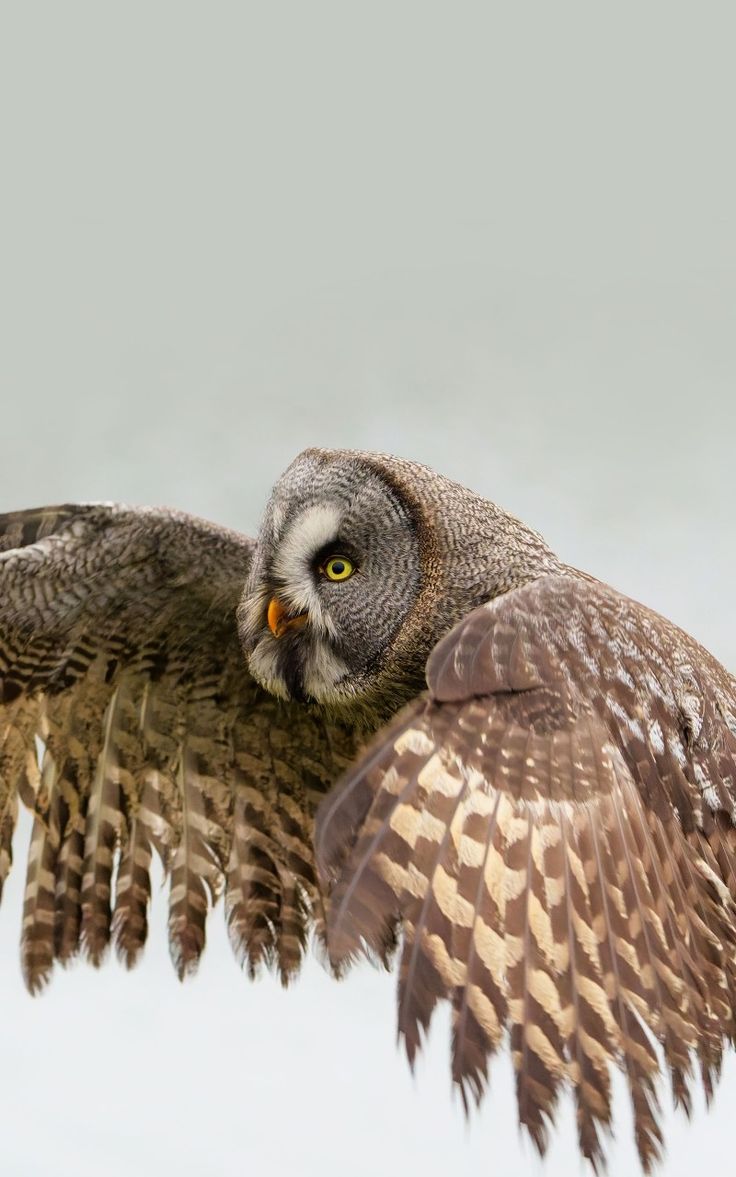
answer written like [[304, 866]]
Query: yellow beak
[[279, 620]]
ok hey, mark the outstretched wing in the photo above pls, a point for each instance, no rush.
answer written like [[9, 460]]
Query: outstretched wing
[[119, 649], [553, 828]]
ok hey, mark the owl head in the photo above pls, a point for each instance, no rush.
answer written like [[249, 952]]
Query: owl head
[[363, 562]]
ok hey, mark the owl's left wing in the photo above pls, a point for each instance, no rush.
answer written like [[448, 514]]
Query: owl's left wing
[[552, 828], [119, 651]]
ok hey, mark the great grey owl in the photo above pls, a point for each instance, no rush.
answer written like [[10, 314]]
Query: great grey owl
[[544, 832]]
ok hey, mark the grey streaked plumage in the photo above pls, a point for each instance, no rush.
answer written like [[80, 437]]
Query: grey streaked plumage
[[549, 822]]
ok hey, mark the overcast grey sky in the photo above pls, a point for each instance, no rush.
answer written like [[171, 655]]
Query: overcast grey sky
[[498, 238]]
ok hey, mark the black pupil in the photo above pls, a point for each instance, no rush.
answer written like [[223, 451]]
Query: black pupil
[[338, 567]]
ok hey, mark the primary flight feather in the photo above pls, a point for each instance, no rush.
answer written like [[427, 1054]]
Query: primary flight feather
[[546, 828]]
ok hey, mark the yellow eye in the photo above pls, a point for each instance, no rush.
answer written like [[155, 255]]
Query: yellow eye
[[337, 568]]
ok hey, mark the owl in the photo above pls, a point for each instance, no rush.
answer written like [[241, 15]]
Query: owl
[[396, 724]]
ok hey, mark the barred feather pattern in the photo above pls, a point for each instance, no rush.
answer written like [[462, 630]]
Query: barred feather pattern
[[119, 649], [552, 828]]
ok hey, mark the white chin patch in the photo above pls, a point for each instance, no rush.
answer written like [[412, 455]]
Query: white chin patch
[[322, 670], [264, 666]]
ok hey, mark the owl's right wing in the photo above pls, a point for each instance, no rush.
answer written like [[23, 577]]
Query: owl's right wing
[[552, 828], [119, 652]]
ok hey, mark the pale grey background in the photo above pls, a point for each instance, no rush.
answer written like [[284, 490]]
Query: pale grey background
[[498, 238]]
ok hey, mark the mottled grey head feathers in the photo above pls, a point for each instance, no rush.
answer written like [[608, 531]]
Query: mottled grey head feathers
[[425, 550]]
